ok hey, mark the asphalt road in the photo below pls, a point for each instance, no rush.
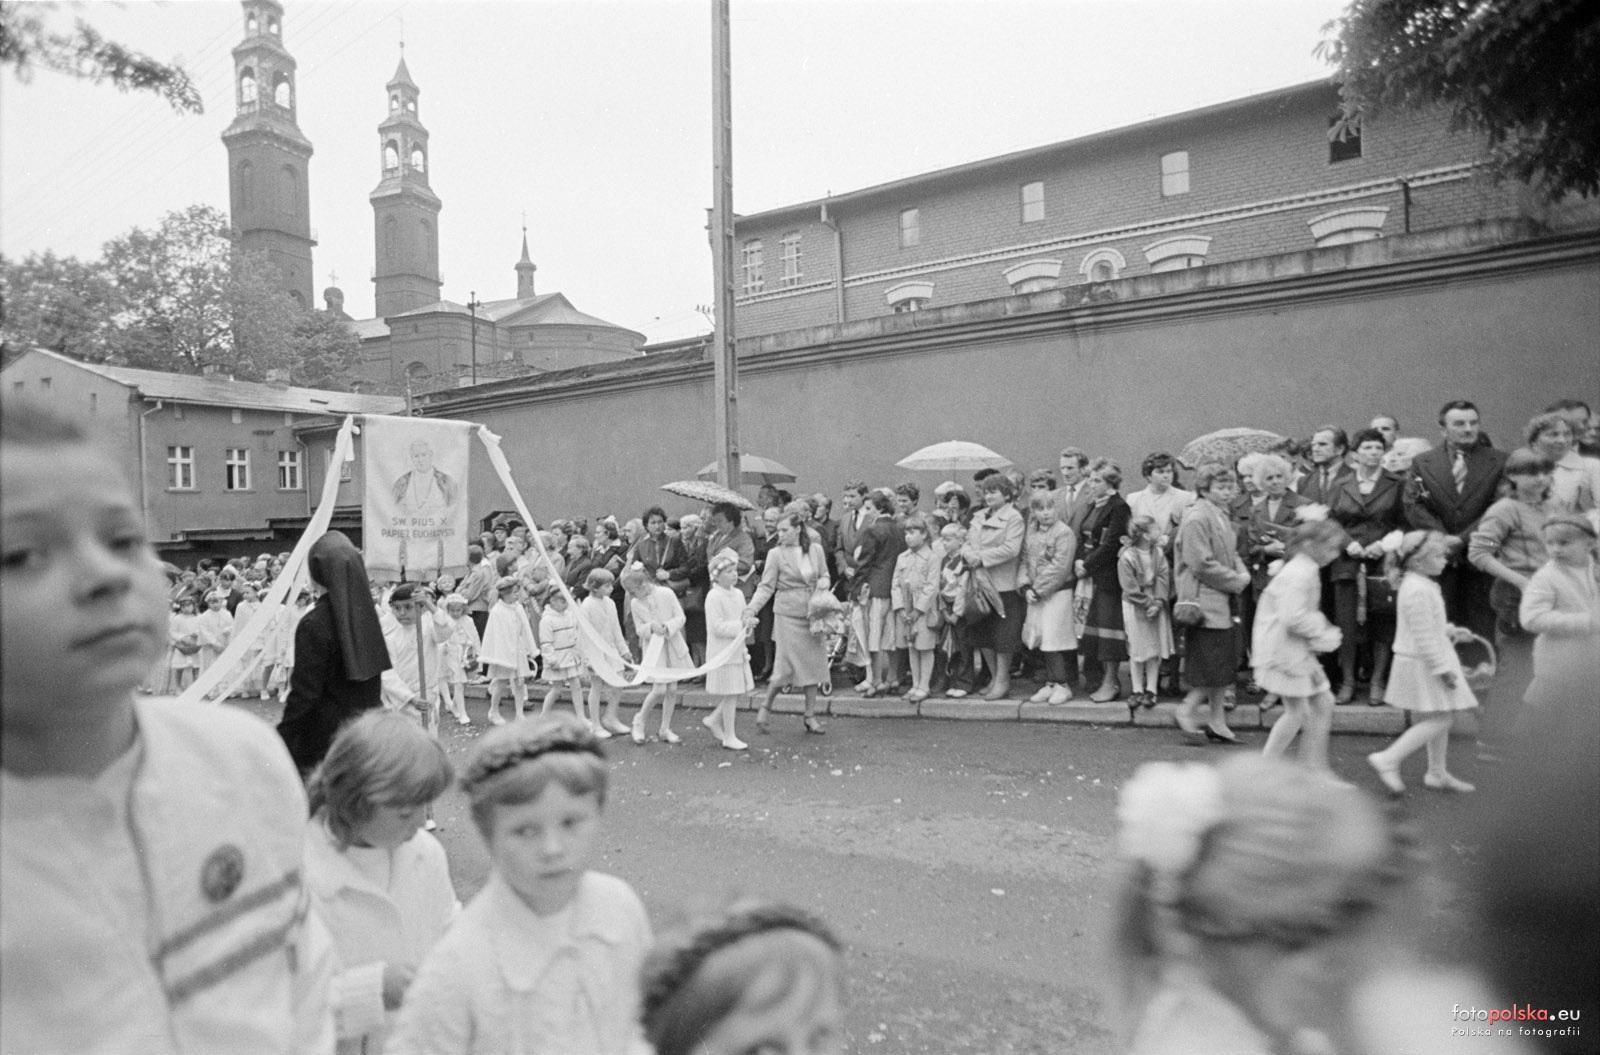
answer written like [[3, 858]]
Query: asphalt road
[[965, 864]]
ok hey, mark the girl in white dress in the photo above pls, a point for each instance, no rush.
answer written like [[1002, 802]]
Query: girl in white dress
[[215, 627], [1289, 631], [600, 613], [508, 648], [726, 623], [558, 644], [183, 639], [1146, 581], [657, 613], [1426, 678], [460, 655]]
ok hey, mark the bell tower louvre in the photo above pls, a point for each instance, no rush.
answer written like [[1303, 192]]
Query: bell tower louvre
[[268, 156], [405, 211]]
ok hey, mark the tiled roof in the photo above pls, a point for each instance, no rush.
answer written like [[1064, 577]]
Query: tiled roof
[[366, 328], [220, 391], [545, 309]]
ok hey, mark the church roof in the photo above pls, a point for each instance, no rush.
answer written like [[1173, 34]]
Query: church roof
[[221, 391], [402, 75], [544, 309]]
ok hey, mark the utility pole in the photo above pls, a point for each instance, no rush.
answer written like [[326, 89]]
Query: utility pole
[[726, 375], [472, 306]]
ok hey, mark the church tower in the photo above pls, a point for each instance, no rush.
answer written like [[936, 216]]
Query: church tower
[[405, 212], [525, 269], [268, 157]]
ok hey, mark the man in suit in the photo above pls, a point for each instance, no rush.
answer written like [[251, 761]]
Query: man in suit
[[827, 530], [1072, 501], [1327, 477], [851, 524], [1448, 490]]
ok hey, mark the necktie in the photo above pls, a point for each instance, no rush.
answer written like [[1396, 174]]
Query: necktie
[[1458, 469]]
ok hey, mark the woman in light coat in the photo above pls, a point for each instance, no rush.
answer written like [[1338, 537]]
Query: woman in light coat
[[994, 548], [795, 569], [1210, 574], [1048, 551]]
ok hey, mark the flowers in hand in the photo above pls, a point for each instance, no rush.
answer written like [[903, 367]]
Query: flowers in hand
[[1165, 812]]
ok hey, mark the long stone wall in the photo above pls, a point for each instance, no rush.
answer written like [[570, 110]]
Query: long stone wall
[[1284, 343]]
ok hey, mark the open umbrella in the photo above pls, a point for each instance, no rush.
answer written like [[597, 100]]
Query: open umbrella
[[953, 455], [1226, 446], [707, 492], [753, 469]]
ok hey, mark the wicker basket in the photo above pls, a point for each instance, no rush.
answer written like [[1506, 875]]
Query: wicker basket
[[1478, 661]]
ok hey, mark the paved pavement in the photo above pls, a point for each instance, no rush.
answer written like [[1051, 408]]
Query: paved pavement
[[964, 862]]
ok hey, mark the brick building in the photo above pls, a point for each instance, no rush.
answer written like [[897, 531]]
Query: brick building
[[1248, 178], [219, 467]]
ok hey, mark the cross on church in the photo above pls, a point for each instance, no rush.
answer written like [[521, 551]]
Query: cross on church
[[333, 278]]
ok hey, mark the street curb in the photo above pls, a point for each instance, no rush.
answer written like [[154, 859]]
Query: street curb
[[1351, 719]]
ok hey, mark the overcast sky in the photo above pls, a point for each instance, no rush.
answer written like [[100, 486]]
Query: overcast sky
[[594, 118]]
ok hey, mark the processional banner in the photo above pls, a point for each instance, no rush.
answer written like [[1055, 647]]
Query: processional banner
[[414, 511]]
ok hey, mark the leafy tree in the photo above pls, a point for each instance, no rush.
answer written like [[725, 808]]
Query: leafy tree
[[60, 303], [324, 351], [1524, 73], [27, 41]]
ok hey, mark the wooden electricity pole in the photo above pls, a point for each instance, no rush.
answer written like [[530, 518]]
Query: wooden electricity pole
[[726, 376]]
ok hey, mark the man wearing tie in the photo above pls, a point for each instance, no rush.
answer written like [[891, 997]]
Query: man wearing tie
[[1448, 490], [1339, 591], [1071, 504]]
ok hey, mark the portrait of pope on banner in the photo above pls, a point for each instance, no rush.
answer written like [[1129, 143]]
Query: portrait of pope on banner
[[414, 511]]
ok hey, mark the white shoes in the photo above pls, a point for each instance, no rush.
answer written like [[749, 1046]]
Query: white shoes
[[1387, 772], [733, 743], [495, 718], [637, 732], [601, 732], [1448, 783], [1043, 695], [670, 737], [615, 726], [1059, 695]]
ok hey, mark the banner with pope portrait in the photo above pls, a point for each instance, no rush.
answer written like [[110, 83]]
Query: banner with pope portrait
[[414, 511]]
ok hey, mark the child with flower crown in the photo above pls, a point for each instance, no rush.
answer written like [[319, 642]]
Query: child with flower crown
[[215, 627], [460, 650], [726, 623], [1426, 676], [1257, 895], [546, 958], [508, 648], [1289, 631], [558, 644], [755, 977], [657, 614], [599, 611]]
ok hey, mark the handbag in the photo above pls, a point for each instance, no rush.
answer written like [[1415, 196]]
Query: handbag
[[1187, 611]]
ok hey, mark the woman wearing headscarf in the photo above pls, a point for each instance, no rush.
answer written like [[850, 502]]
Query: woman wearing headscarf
[[339, 653]]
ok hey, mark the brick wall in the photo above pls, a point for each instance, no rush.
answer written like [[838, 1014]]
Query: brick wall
[[1244, 162]]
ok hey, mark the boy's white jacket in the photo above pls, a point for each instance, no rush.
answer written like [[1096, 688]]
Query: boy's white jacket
[[240, 964]]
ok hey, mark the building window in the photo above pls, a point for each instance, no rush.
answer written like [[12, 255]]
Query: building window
[[94, 402], [1175, 254], [419, 160], [344, 467], [1032, 202], [1175, 173], [753, 280], [247, 86], [237, 469], [909, 296], [1343, 226], [180, 468], [289, 471], [282, 94], [44, 383], [1032, 276], [394, 102], [290, 188], [391, 156], [791, 258], [1346, 146], [18, 386], [1102, 265], [910, 228], [236, 416], [177, 412]]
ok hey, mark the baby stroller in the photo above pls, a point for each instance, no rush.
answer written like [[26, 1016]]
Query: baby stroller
[[839, 625]]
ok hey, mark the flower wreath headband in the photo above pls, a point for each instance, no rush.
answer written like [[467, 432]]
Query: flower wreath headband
[[676, 967], [493, 758], [1395, 543]]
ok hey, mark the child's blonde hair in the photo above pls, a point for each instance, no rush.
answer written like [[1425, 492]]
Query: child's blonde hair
[[1311, 533], [1041, 501], [1398, 558], [633, 576], [752, 954], [514, 763], [383, 758], [1140, 528], [1253, 850]]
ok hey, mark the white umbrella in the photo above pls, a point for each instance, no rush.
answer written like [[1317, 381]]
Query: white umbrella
[[955, 455], [753, 469]]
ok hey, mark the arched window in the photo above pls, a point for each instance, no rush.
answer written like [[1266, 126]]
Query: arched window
[[394, 102], [247, 186], [299, 301], [429, 247], [909, 296], [391, 235], [1102, 265], [1033, 276], [391, 156], [282, 93], [272, 26], [418, 161], [1343, 226], [1175, 254], [411, 106], [289, 203], [417, 371], [247, 86], [251, 26]]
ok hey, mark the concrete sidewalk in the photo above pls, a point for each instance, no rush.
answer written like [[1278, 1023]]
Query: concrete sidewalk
[[847, 703]]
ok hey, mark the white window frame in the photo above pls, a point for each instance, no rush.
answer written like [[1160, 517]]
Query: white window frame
[[1343, 226], [345, 471], [180, 468], [909, 296], [1174, 173], [1103, 255], [1032, 199], [236, 469], [910, 227], [1176, 254], [754, 280], [1032, 276], [291, 474], [791, 258]]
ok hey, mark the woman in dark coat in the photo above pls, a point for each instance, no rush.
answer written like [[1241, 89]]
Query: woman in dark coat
[[1099, 544], [1368, 505], [339, 653]]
